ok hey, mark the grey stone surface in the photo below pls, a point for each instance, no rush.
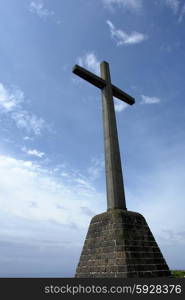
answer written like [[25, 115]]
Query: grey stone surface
[[119, 243]]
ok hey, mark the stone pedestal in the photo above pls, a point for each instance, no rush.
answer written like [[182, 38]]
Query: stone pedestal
[[119, 243]]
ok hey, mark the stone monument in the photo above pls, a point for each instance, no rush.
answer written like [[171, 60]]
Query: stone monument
[[119, 242]]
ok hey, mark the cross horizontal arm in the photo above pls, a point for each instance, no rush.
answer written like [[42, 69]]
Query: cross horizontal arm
[[122, 95], [101, 83], [90, 77]]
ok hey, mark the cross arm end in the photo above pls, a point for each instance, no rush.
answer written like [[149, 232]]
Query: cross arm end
[[122, 95], [89, 76]]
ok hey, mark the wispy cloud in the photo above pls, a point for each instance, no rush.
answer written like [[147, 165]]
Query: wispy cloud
[[21, 177], [132, 5], [182, 14], [89, 61], [173, 4], [87, 211], [37, 7], [33, 152], [119, 105], [11, 104], [95, 168], [149, 100], [177, 7], [122, 38], [52, 201], [29, 122], [9, 100], [27, 138]]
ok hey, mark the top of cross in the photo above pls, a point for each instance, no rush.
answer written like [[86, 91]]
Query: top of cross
[[101, 83]]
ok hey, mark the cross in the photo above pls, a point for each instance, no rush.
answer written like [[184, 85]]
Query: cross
[[114, 177]]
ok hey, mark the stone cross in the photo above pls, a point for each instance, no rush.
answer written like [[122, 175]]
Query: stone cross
[[114, 177]]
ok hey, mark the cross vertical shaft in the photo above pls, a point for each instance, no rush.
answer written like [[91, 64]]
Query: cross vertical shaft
[[114, 177]]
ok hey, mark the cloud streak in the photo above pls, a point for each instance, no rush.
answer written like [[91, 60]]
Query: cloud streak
[[149, 100], [177, 8], [37, 7], [119, 105], [173, 4], [11, 105], [182, 13], [96, 168], [10, 100], [132, 5], [33, 152], [57, 207], [47, 189], [122, 38], [90, 61]]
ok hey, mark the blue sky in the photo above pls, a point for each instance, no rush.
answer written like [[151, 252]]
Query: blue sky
[[51, 146]]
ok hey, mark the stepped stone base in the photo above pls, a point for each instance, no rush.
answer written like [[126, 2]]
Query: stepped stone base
[[119, 243]]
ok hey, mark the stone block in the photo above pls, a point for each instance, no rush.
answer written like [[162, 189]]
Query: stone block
[[119, 243]]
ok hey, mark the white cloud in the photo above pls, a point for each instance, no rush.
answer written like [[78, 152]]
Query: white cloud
[[11, 104], [132, 5], [89, 61], [173, 4], [122, 38], [42, 210], [163, 187], [176, 6], [182, 13], [83, 183], [37, 7], [29, 122], [149, 100], [119, 105], [27, 138], [33, 152], [9, 100], [20, 178], [87, 211], [96, 168]]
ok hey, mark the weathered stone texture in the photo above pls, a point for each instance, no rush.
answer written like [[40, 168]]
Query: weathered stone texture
[[119, 243]]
